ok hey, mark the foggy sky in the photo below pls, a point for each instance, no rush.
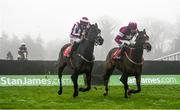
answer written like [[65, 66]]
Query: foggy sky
[[53, 19]]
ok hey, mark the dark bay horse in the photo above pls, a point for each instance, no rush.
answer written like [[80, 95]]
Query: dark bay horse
[[131, 64], [82, 60]]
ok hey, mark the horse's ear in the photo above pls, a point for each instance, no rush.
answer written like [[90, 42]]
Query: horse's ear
[[138, 31], [96, 25], [144, 30]]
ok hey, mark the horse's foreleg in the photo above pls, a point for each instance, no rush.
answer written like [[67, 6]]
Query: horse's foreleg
[[124, 79], [60, 70], [88, 75], [74, 78], [88, 79], [106, 80], [138, 83]]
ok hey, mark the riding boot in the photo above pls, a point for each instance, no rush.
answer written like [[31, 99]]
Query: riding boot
[[74, 47]]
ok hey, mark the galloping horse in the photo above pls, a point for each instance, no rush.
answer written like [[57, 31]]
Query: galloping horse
[[130, 65], [82, 60]]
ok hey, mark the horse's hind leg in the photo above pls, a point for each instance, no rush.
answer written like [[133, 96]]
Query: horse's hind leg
[[108, 71], [88, 78], [124, 79], [60, 70]]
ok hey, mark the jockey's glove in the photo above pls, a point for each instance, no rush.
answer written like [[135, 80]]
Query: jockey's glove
[[132, 42], [125, 42]]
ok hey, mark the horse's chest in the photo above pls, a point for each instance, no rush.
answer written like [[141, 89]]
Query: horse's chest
[[133, 71], [130, 70], [83, 67]]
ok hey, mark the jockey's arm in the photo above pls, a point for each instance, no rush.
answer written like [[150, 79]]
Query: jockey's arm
[[75, 31], [121, 41], [126, 42], [119, 37]]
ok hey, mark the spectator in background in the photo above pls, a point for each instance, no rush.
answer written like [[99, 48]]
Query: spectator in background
[[9, 56]]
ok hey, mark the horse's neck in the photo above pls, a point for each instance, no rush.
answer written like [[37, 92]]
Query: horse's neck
[[86, 49], [136, 54]]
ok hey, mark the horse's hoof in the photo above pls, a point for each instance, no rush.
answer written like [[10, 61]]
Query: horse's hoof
[[129, 93], [84, 89], [95, 88], [125, 97], [60, 92], [105, 94], [81, 89], [75, 95]]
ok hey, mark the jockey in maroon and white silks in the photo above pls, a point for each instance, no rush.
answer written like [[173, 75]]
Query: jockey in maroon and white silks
[[78, 31], [126, 35]]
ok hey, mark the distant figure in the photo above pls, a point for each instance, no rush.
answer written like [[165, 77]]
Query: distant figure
[[22, 52], [9, 56]]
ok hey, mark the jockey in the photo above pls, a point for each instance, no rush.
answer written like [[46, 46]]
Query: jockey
[[78, 32], [126, 37], [22, 49]]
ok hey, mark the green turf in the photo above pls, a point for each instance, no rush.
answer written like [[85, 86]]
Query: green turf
[[151, 97]]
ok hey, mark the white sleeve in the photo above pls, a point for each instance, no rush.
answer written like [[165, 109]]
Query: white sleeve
[[120, 34], [74, 33], [125, 42]]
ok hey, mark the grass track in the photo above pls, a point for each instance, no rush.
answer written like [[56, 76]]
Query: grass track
[[151, 97]]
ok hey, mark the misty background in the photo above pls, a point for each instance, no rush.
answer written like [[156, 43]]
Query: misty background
[[45, 25]]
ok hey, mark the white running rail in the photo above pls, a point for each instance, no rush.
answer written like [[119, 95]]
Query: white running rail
[[171, 57]]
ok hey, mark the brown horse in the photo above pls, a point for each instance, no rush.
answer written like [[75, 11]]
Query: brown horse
[[130, 65], [82, 60]]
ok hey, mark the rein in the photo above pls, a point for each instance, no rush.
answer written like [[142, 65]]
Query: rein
[[82, 58], [139, 64], [88, 39], [85, 58]]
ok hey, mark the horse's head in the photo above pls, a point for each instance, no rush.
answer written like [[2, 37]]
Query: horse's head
[[94, 34], [142, 40]]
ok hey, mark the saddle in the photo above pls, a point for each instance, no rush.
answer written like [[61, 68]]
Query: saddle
[[67, 50], [116, 53]]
